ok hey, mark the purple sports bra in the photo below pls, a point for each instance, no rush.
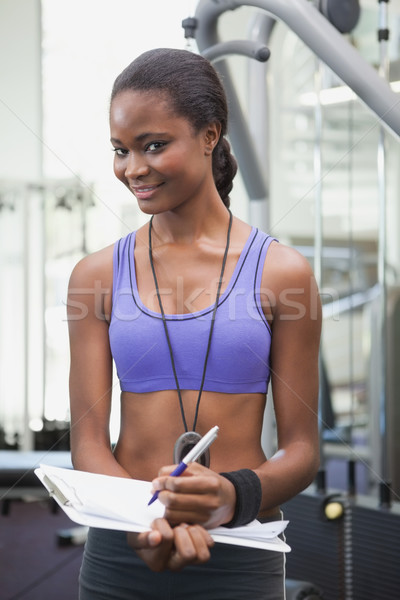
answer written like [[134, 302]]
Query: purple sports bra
[[240, 349]]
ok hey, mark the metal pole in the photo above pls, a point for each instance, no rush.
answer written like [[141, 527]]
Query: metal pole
[[383, 37], [260, 29], [318, 232], [240, 47], [27, 437], [318, 176], [323, 39]]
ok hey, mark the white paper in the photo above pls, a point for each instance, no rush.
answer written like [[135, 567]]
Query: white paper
[[109, 502]]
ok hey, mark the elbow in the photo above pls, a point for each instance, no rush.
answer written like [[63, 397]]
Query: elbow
[[312, 470], [307, 464], [75, 459], [75, 450], [81, 452]]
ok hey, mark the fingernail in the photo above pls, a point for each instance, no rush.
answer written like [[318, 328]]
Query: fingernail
[[153, 538]]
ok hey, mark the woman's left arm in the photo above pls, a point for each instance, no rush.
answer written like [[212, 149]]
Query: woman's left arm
[[293, 302]]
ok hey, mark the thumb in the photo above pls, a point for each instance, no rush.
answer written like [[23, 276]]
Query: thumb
[[154, 538], [144, 540]]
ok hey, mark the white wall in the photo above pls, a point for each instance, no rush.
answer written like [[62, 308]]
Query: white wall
[[21, 89], [21, 226]]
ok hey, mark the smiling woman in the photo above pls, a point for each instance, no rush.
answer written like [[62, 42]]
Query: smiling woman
[[198, 314], [151, 147], [201, 115]]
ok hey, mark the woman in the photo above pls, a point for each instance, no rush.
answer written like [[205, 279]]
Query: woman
[[199, 311]]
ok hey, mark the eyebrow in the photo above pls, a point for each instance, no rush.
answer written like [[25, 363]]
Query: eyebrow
[[141, 137]]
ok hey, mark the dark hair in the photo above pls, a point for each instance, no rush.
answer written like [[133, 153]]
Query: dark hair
[[197, 94]]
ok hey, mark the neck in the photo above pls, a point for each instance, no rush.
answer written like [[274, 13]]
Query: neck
[[187, 226]]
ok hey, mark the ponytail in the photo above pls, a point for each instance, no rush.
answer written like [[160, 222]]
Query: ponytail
[[224, 169]]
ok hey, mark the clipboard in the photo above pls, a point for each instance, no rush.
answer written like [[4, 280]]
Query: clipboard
[[96, 500]]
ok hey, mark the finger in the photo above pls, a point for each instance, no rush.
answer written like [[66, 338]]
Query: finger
[[183, 543], [193, 503], [192, 469], [166, 470], [188, 508], [155, 546], [176, 517], [202, 541], [161, 532], [145, 540], [192, 544], [162, 527], [196, 468], [198, 484]]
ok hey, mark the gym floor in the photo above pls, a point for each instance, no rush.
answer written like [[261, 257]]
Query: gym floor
[[33, 565]]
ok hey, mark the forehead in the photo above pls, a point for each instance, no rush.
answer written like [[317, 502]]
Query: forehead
[[132, 108]]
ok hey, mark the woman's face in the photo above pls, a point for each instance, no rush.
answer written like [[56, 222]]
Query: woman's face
[[157, 154]]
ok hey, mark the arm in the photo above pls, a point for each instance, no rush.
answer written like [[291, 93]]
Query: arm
[[91, 365], [296, 327]]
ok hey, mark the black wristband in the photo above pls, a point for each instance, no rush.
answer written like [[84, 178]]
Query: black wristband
[[248, 496]]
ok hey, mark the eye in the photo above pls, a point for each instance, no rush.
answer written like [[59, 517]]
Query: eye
[[154, 146], [120, 151]]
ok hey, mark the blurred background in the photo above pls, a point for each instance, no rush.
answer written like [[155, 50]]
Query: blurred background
[[58, 196], [330, 180]]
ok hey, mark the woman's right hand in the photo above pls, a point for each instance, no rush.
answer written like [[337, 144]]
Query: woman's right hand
[[164, 547]]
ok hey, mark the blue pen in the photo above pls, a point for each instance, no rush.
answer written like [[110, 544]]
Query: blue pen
[[192, 455]]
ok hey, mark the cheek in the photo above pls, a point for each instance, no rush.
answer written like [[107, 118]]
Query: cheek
[[119, 171], [166, 164], [182, 165]]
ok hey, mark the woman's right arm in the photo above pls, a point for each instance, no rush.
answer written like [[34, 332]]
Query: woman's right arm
[[91, 365]]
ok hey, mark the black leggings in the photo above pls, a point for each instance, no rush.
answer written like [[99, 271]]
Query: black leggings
[[111, 570]]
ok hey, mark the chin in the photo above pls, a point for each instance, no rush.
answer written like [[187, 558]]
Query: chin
[[151, 208]]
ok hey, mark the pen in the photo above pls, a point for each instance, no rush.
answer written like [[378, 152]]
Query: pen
[[192, 455]]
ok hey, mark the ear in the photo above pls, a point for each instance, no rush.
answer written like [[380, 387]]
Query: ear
[[211, 137]]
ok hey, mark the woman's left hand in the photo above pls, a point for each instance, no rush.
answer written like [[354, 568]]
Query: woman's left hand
[[199, 495], [164, 547]]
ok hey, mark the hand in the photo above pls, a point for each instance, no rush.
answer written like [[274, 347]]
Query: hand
[[166, 548], [199, 495]]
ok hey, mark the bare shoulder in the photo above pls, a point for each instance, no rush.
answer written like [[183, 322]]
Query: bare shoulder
[[285, 266], [90, 287], [93, 267], [288, 284]]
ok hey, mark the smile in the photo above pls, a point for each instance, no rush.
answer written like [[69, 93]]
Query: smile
[[146, 191]]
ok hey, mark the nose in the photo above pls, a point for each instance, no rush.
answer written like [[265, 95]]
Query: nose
[[136, 166]]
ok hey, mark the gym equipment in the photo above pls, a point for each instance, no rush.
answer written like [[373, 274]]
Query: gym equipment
[[17, 477]]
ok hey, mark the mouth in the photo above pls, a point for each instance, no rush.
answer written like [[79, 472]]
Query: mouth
[[144, 192]]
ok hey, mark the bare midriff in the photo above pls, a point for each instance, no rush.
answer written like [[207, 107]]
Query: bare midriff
[[152, 422]]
